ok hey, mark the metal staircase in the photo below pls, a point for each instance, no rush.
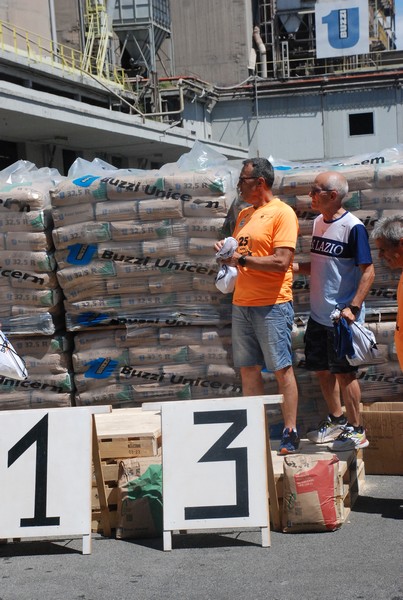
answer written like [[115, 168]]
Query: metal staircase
[[98, 35]]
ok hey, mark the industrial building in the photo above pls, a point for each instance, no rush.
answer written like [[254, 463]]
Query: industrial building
[[136, 82]]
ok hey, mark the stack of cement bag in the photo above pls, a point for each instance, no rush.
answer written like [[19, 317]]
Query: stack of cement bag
[[135, 256], [126, 367], [50, 382], [108, 288], [31, 301]]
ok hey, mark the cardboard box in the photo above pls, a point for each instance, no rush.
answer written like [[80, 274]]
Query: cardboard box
[[383, 422]]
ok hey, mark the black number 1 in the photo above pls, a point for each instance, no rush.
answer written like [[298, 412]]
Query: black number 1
[[39, 435], [220, 452]]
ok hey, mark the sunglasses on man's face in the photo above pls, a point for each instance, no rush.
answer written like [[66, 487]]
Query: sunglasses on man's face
[[318, 190], [242, 179]]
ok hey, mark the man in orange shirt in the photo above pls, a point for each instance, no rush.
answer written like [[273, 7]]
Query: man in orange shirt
[[262, 312]]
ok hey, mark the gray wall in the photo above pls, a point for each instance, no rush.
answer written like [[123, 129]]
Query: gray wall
[[212, 44], [310, 127], [32, 17]]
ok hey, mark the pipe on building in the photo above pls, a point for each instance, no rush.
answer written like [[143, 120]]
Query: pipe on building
[[262, 50], [52, 22], [252, 61]]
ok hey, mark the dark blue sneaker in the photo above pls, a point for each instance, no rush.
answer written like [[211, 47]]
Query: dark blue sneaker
[[289, 443]]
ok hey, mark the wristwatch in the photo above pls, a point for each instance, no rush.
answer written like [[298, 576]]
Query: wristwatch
[[354, 309], [242, 261]]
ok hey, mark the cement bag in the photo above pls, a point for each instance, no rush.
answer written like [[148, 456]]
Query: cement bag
[[11, 363], [139, 501], [311, 501]]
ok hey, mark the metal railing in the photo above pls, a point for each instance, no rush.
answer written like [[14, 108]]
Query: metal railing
[[309, 66], [59, 56]]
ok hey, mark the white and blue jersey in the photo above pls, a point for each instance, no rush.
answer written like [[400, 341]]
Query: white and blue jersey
[[337, 249]]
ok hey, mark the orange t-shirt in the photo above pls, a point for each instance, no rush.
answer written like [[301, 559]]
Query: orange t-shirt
[[399, 323], [259, 231]]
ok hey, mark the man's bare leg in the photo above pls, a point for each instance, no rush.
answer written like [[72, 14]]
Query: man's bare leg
[[252, 381], [329, 386], [287, 386], [351, 394]]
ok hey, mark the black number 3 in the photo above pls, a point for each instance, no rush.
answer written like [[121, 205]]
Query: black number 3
[[220, 452]]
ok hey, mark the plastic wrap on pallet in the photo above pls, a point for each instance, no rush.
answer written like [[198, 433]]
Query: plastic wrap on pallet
[[24, 197], [381, 199], [90, 184], [381, 383], [363, 172], [50, 381], [148, 362], [85, 189], [390, 175], [31, 324], [156, 260], [34, 399], [30, 296]]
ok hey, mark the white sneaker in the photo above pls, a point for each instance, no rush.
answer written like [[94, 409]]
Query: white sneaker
[[327, 431], [350, 439]]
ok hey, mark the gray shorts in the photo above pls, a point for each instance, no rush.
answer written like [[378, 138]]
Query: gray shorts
[[261, 335]]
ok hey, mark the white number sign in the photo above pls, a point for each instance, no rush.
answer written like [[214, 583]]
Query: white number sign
[[45, 473], [215, 465]]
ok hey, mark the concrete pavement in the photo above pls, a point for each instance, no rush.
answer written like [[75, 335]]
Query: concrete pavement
[[362, 560]]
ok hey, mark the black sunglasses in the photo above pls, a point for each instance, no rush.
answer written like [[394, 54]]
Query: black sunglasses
[[242, 179], [319, 190]]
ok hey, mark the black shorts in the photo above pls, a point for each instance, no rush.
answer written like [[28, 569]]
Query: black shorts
[[319, 350]]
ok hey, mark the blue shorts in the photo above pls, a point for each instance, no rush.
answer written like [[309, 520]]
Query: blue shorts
[[261, 335], [320, 354]]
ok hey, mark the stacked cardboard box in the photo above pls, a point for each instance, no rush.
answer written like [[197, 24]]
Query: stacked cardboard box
[[127, 433], [384, 424]]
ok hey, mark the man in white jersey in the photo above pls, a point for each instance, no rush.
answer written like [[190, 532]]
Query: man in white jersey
[[341, 274]]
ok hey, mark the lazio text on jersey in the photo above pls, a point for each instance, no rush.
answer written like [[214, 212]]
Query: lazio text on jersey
[[338, 248]]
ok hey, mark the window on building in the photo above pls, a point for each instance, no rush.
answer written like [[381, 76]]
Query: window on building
[[361, 123]]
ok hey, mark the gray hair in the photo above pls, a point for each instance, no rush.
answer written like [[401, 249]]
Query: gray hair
[[390, 229], [261, 168], [337, 182]]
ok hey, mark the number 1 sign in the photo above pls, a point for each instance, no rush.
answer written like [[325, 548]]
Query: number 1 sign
[[45, 473]]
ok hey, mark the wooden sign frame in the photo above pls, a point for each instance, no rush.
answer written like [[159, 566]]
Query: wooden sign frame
[[46, 473], [216, 472]]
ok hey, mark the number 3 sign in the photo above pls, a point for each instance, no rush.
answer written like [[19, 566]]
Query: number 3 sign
[[215, 464], [45, 473]]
